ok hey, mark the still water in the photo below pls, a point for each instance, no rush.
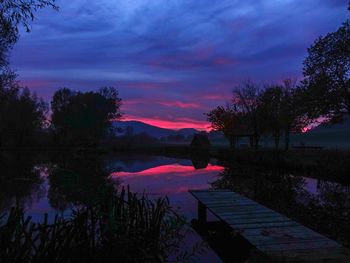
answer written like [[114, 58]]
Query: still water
[[56, 184]]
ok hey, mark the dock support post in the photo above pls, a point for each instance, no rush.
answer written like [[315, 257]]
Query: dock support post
[[202, 213]]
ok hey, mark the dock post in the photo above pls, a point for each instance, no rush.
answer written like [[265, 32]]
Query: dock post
[[202, 213]]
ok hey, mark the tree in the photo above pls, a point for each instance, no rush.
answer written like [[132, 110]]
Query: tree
[[22, 114], [241, 117], [294, 110], [284, 109], [327, 73], [271, 101], [81, 119], [247, 108], [12, 14], [223, 119]]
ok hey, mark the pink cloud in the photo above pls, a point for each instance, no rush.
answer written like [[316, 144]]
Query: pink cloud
[[179, 104], [215, 97], [222, 61]]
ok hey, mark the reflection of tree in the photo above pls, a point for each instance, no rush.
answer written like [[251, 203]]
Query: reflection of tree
[[330, 210], [326, 211], [270, 187], [78, 181], [19, 182], [200, 162]]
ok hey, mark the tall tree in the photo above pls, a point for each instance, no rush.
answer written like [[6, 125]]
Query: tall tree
[[327, 73], [223, 119], [294, 110], [271, 100], [284, 108], [81, 119], [22, 114], [241, 117], [247, 106]]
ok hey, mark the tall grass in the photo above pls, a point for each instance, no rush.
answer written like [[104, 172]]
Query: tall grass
[[122, 228]]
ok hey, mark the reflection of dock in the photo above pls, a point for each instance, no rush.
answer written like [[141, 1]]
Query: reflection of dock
[[270, 232]]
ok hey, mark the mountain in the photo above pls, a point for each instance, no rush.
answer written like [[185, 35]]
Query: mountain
[[187, 132], [328, 135], [137, 127], [332, 127]]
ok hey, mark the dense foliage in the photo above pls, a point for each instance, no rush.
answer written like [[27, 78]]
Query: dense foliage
[[81, 119], [327, 74], [22, 114]]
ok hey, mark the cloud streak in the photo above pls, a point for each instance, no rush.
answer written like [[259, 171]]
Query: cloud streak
[[177, 58]]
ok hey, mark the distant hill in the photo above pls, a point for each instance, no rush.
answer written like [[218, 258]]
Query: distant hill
[[328, 135], [138, 127], [332, 127]]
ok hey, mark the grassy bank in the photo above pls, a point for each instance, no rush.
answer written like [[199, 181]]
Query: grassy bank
[[123, 227]]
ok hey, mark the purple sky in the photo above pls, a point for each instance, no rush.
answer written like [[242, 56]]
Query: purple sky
[[171, 60]]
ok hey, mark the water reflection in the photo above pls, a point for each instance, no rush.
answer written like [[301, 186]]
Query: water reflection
[[321, 205], [78, 180], [55, 184], [62, 181], [20, 184]]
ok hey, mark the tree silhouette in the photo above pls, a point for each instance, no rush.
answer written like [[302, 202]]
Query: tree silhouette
[[272, 99], [22, 114], [284, 111], [12, 14], [241, 117], [81, 119], [277, 110], [224, 119], [327, 73], [246, 104]]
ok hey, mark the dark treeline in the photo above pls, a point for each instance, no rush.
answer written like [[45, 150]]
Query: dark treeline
[[22, 115], [255, 111], [279, 109], [75, 119]]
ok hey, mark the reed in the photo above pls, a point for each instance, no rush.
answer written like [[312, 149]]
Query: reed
[[122, 228]]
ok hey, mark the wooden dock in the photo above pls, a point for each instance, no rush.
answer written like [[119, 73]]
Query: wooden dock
[[270, 232]]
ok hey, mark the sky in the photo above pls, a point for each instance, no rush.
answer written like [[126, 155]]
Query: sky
[[171, 60]]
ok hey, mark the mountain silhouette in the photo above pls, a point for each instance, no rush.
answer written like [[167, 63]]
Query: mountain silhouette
[[158, 132], [332, 127]]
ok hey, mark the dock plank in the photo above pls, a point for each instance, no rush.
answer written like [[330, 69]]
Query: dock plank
[[269, 231]]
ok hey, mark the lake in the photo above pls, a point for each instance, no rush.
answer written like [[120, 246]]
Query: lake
[[56, 184]]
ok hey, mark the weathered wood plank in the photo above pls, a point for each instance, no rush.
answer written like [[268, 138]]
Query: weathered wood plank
[[262, 225], [270, 231], [263, 220], [280, 231], [314, 244], [220, 211], [250, 215]]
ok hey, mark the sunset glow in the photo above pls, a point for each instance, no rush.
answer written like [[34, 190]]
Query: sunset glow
[[171, 61], [171, 168], [176, 124]]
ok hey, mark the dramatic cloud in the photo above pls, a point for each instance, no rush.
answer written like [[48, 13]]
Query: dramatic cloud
[[172, 60]]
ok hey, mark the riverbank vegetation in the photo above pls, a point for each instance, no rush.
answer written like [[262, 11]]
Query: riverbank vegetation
[[123, 227]]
